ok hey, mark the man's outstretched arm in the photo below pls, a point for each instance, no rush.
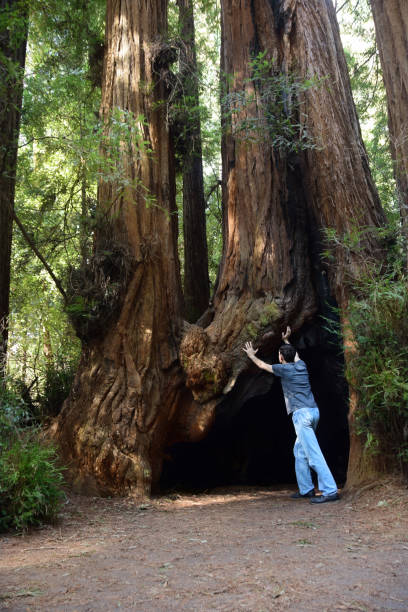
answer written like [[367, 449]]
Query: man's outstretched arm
[[250, 351]]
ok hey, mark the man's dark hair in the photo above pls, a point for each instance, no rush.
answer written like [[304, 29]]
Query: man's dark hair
[[288, 352]]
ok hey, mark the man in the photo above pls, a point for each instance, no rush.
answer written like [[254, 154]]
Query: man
[[301, 404]]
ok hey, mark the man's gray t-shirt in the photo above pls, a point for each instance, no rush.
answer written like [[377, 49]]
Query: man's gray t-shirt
[[295, 385]]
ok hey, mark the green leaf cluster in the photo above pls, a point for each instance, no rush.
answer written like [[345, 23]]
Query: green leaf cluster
[[376, 331], [268, 107], [378, 321], [30, 479]]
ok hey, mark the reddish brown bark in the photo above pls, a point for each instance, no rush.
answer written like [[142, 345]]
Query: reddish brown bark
[[196, 280], [391, 29], [113, 424], [129, 398], [277, 207]]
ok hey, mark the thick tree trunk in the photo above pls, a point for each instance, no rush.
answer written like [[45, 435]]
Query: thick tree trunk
[[278, 206], [196, 280], [391, 28], [129, 398], [113, 425], [13, 43], [338, 184]]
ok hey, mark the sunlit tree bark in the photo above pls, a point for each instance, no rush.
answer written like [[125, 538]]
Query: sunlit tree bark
[[113, 425], [391, 28], [278, 205], [130, 398]]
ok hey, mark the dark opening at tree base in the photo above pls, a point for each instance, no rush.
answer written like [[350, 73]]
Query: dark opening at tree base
[[251, 440]]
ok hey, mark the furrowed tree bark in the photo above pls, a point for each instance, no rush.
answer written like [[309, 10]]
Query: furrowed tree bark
[[130, 399], [391, 30], [196, 279], [339, 187], [278, 206], [13, 43], [112, 427]]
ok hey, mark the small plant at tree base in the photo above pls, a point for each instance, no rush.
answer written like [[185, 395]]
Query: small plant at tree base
[[30, 478], [377, 367], [378, 321], [58, 380]]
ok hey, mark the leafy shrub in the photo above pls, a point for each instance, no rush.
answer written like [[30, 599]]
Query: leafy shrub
[[58, 380], [30, 479], [378, 322], [13, 415], [268, 107]]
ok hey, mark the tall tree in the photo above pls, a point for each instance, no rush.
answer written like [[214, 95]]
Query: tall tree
[[279, 202], [196, 280], [113, 424], [391, 28], [13, 43], [294, 166]]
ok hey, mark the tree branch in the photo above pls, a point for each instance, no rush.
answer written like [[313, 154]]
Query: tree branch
[[40, 257], [341, 7], [358, 68], [218, 183]]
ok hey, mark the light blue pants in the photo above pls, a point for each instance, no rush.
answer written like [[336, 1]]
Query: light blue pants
[[308, 454]]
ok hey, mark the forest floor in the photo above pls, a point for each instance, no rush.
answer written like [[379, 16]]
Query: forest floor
[[248, 549]]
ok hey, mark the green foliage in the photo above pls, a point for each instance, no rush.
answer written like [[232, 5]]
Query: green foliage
[[13, 29], [42, 338], [30, 479], [58, 379], [30, 485], [376, 331], [13, 415], [56, 180], [378, 323], [268, 107]]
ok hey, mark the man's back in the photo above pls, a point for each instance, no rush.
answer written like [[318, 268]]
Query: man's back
[[295, 385]]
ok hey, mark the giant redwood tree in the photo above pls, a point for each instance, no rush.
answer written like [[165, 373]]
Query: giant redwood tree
[[391, 28], [113, 424], [294, 166], [279, 203]]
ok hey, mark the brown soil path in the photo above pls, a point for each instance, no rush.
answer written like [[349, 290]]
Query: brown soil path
[[247, 549]]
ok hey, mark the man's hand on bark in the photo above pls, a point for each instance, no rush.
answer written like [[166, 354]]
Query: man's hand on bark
[[249, 350]]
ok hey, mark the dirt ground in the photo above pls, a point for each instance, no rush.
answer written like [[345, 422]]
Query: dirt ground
[[233, 549]]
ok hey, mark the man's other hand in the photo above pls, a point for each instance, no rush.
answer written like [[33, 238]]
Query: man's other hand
[[286, 335]]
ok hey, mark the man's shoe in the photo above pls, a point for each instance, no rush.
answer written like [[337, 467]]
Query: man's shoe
[[325, 498], [298, 495]]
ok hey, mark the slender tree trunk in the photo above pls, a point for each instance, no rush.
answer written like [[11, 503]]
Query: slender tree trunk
[[278, 205], [113, 425], [391, 28], [196, 280], [13, 43]]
